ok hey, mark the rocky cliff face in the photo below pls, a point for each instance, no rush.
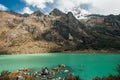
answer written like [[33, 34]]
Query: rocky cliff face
[[57, 31]]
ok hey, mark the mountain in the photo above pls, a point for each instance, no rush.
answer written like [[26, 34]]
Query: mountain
[[57, 31], [78, 12]]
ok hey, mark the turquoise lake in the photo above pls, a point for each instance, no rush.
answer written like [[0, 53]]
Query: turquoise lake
[[87, 66]]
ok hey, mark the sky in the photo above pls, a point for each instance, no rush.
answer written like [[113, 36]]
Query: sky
[[103, 7]]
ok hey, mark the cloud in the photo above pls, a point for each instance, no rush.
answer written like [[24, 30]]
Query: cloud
[[2, 7], [86, 6], [105, 7], [38, 3], [26, 10], [93, 6]]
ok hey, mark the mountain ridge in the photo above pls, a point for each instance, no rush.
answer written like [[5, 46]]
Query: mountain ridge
[[57, 31]]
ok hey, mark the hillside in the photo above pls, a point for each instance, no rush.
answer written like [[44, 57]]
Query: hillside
[[57, 32]]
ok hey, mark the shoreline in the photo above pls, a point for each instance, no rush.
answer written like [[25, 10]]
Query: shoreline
[[85, 51], [59, 72], [66, 52]]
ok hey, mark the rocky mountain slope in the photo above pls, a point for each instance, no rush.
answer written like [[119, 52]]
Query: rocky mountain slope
[[57, 31]]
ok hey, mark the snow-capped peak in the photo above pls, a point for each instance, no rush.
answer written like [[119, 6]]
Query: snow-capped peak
[[78, 12]]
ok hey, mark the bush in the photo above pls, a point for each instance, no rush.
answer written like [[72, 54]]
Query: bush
[[118, 68], [4, 75]]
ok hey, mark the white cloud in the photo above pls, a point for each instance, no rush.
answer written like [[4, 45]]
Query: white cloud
[[97, 6], [38, 3], [26, 10], [2, 7], [105, 7]]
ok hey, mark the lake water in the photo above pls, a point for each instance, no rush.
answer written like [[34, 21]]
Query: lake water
[[87, 66]]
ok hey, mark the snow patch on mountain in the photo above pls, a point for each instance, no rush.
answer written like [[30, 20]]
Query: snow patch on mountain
[[78, 12]]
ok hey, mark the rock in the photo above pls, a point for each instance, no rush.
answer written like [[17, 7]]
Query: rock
[[66, 71], [71, 77], [37, 13], [56, 12]]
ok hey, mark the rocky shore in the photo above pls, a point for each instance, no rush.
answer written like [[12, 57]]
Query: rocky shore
[[60, 72]]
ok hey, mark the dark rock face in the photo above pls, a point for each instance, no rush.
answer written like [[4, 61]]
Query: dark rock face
[[62, 29]]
